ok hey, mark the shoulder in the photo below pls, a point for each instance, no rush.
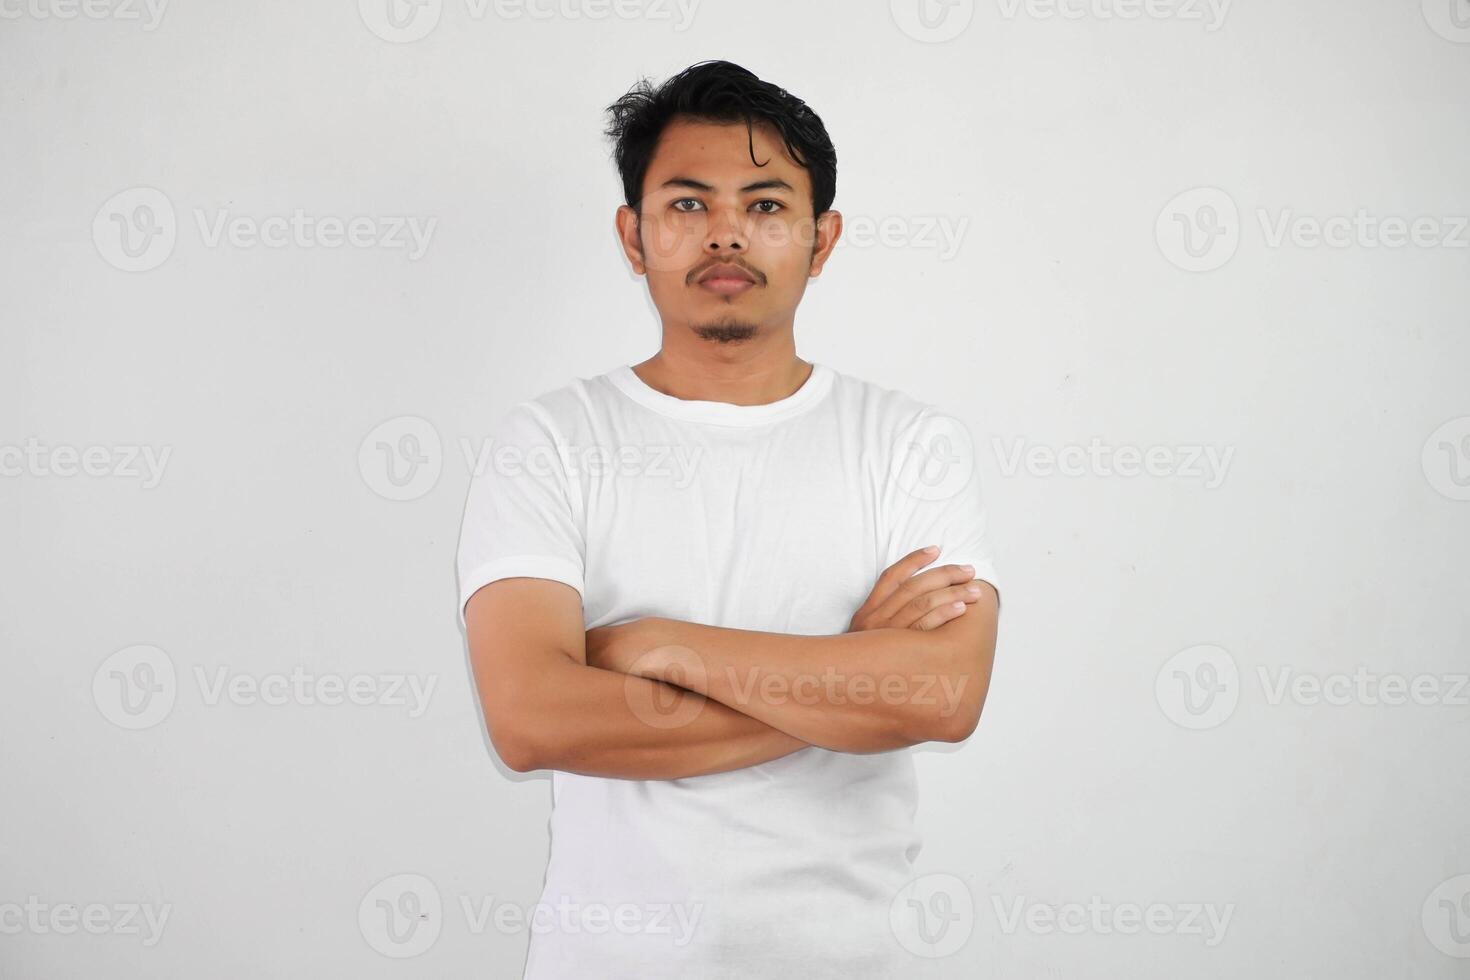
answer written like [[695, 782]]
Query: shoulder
[[883, 408], [560, 414], [918, 446]]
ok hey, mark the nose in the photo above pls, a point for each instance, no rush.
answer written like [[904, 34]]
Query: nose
[[726, 230]]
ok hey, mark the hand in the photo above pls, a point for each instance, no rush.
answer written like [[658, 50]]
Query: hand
[[925, 601]]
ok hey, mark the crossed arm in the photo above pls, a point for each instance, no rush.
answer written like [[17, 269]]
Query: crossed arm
[[663, 699]]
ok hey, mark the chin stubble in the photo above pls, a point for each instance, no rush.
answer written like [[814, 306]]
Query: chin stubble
[[726, 332]]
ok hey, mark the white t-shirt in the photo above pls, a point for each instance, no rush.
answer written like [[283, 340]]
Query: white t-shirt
[[775, 517]]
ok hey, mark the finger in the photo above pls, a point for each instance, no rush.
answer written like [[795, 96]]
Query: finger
[[896, 574], [934, 578], [918, 607], [938, 617]]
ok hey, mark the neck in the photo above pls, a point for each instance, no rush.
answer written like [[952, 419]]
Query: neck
[[749, 375]]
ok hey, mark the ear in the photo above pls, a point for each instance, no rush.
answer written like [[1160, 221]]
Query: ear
[[626, 222], [829, 229]]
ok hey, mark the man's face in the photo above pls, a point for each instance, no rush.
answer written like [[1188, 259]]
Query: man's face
[[708, 208]]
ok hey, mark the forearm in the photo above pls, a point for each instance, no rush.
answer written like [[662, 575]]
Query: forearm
[[867, 691], [600, 723]]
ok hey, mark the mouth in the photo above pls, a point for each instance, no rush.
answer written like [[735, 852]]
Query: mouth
[[726, 280], [726, 287]]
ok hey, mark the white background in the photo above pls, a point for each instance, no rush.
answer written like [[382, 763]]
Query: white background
[[1056, 147]]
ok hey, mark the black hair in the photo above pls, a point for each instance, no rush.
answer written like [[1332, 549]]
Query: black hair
[[719, 92]]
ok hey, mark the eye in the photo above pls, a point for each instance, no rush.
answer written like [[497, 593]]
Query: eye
[[684, 200], [776, 206]]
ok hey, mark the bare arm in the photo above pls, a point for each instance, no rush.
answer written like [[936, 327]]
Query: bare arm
[[545, 708], [877, 689]]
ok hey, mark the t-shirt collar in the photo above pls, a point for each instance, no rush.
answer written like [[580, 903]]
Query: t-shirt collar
[[723, 413]]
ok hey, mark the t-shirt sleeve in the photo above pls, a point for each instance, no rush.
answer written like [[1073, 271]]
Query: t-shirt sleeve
[[933, 496], [519, 517]]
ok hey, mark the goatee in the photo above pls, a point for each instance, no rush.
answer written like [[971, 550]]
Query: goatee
[[728, 332]]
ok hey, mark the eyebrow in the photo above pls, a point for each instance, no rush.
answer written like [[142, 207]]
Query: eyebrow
[[760, 185]]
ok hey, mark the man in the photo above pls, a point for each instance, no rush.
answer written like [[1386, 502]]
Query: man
[[695, 587]]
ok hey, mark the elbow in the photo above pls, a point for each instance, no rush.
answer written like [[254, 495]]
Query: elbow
[[960, 717], [960, 703], [933, 726], [954, 721], [517, 745], [957, 727], [517, 755]]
